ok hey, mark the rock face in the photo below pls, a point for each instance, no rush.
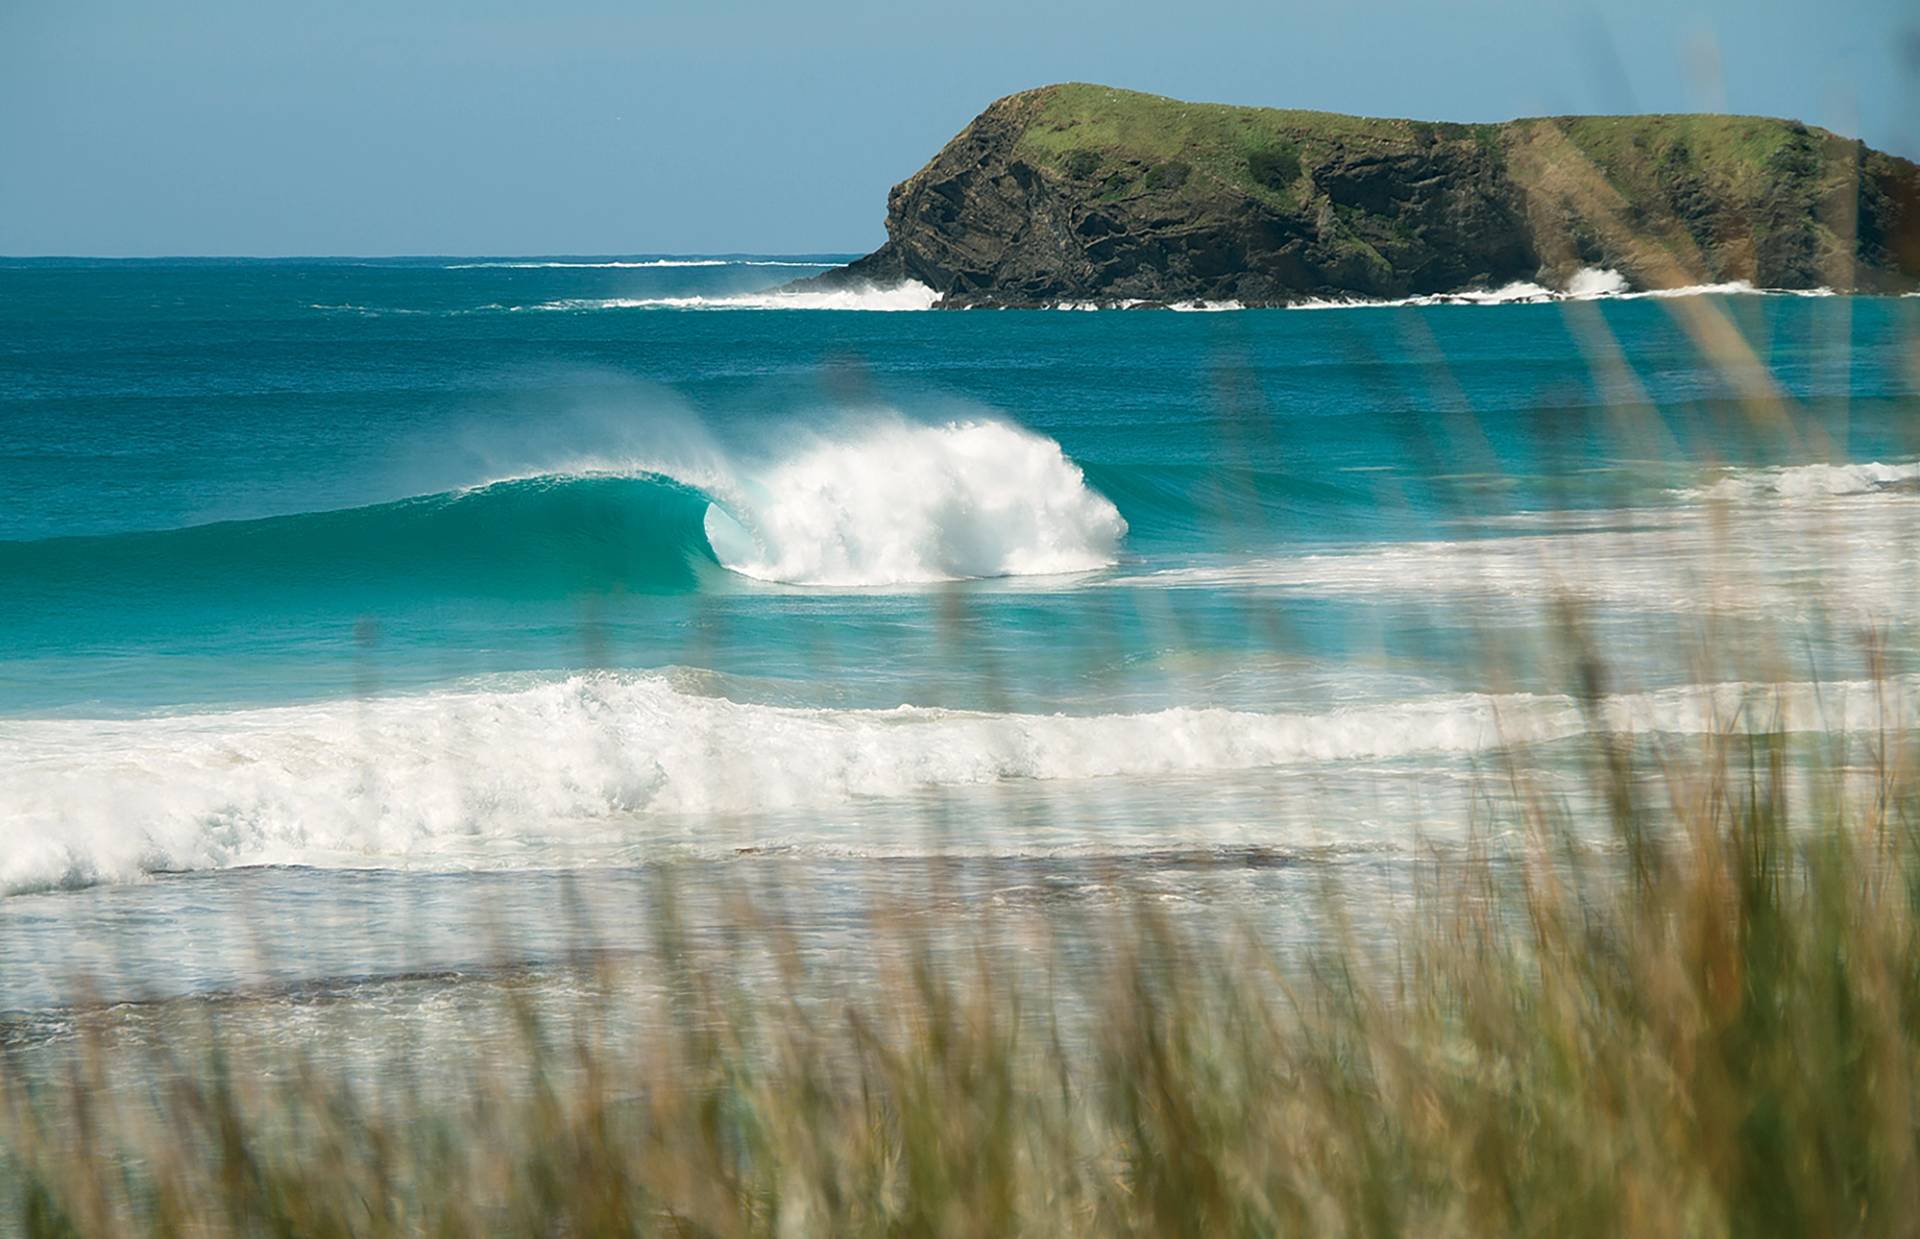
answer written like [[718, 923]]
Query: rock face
[[1083, 193]]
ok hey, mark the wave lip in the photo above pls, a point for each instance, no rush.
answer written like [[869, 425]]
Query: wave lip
[[910, 295]]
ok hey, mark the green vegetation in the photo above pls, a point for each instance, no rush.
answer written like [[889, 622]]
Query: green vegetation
[[1274, 167], [1243, 146], [1737, 150], [1255, 150]]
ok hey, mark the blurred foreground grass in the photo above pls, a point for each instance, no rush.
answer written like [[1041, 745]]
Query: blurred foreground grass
[[1709, 1024]]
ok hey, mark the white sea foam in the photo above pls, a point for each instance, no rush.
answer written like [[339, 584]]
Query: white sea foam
[[898, 503], [907, 296], [1587, 284], [515, 773], [635, 264], [1134, 303], [1206, 307], [1731, 288], [1519, 293]]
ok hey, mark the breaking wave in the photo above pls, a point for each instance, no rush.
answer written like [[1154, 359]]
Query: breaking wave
[[883, 503], [530, 765], [906, 503]]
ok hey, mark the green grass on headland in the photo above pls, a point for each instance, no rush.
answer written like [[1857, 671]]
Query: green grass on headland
[[1231, 146], [1079, 119]]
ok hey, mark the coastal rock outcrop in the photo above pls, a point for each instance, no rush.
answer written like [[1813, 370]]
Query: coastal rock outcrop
[[1075, 193]]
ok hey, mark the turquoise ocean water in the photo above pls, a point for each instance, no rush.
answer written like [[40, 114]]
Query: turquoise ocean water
[[345, 602]]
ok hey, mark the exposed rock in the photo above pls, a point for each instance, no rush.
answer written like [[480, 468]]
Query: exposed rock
[[1084, 193]]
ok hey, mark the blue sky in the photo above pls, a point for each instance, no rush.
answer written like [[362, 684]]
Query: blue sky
[[589, 126]]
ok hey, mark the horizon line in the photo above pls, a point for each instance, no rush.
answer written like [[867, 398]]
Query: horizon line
[[426, 256]]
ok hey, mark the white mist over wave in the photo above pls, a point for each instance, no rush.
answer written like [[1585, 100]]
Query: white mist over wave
[[517, 771], [906, 296]]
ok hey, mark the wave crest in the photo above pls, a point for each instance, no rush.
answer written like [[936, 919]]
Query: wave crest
[[903, 504]]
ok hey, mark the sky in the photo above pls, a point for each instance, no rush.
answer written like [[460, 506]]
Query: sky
[[351, 127]]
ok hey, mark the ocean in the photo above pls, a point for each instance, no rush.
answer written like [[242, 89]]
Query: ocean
[[365, 620]]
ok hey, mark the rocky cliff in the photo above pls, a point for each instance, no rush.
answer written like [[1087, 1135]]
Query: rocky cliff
[[1085, 193]]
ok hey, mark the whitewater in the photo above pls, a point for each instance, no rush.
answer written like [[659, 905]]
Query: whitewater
[[408, 780]]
